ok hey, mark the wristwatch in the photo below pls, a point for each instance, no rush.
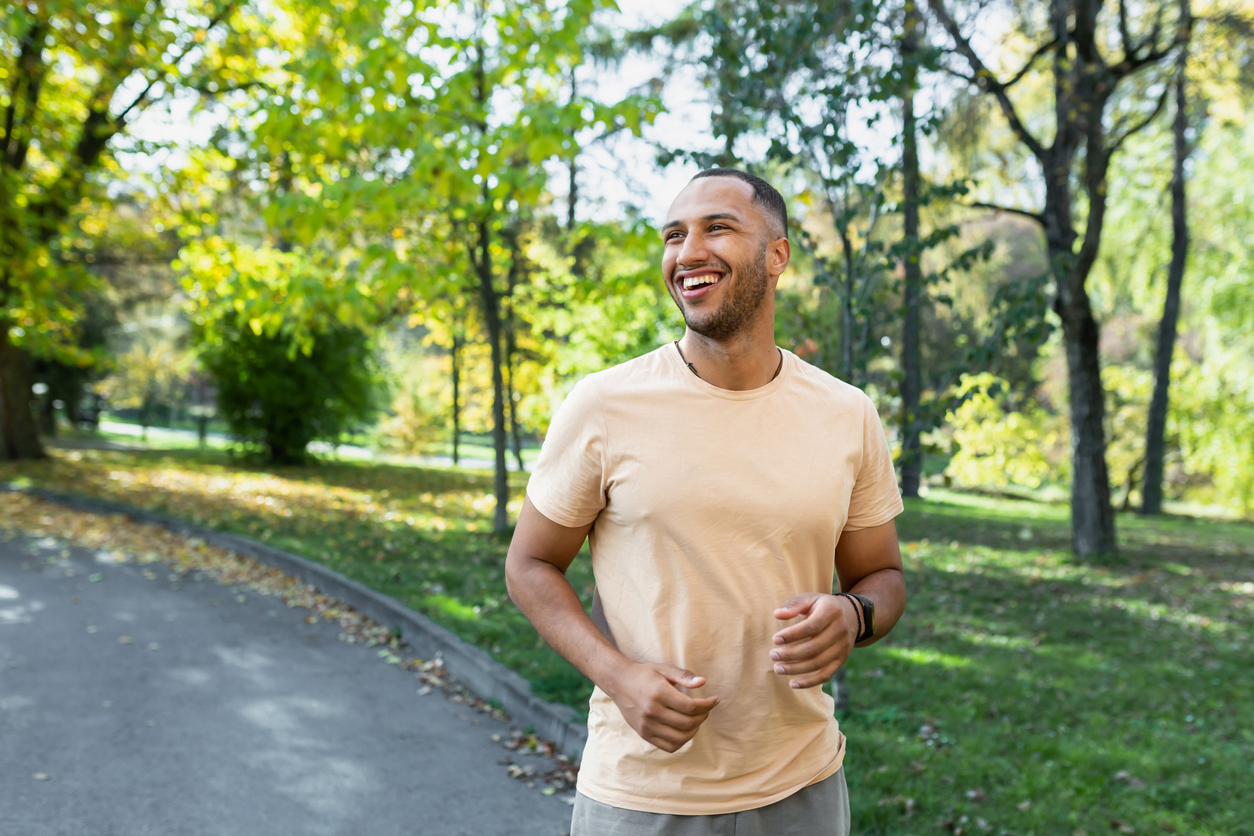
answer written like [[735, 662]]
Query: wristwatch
[[867, 626]]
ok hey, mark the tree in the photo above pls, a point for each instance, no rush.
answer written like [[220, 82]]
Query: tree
[[78, 76], [442, 118], [911, 387], [1164, 350], [1226, 37], [1100, 99]]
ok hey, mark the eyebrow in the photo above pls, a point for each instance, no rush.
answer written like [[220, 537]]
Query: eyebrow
[[717, 216]]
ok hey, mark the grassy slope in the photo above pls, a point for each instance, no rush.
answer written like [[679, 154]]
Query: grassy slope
[[1024, 691]]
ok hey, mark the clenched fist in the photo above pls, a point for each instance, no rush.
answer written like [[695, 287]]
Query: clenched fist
[[648, 695]]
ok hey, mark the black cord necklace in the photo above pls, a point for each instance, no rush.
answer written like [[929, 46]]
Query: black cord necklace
[[693, 368]]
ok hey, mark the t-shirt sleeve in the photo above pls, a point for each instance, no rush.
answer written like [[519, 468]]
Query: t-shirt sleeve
[[568, 482], [875, 498]]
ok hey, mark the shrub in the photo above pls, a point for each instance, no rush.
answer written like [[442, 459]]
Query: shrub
[[281, 398], [997, 446]]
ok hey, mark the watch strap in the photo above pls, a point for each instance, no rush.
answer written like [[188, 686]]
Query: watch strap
[[865, 609]]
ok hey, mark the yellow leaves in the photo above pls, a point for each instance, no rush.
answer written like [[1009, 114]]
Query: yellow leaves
[[998, 448], [128, 540]]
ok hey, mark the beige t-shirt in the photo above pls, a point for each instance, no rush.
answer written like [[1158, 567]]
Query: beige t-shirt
[[710, 509]]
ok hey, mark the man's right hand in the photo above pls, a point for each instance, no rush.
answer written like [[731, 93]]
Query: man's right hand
[[651, 702]]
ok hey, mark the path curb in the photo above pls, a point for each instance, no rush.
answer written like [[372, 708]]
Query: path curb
[[472, 667]]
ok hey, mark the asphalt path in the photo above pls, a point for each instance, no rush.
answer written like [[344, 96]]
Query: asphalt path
[[132, 705]]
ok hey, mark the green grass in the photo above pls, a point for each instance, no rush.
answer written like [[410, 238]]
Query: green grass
[[1024, 692], [1099, 696]]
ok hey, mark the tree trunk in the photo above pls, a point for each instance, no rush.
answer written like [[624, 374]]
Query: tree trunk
[[492, 317], [840, 690], [846, 308], [455, 355], [509, 396], [19, 432], [145, 417], [573, 166], [1156, 428], [1092, 517], [48, 415], [511, 343], [911, 452], [74, 401]]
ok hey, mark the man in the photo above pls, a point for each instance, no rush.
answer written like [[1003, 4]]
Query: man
[[720, 479]]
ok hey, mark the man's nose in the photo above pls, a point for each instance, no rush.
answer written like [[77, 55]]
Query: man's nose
[[693, 251]]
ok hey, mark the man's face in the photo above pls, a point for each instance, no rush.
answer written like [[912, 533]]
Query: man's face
[[720, 256]]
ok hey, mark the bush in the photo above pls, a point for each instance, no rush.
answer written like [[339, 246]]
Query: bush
[[281, 399], [999, 447]]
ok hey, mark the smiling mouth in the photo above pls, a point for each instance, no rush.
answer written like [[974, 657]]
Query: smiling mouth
[[697, 281], [700, 281]]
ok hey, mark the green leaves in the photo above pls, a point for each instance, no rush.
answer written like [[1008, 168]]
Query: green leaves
[[75, 79]]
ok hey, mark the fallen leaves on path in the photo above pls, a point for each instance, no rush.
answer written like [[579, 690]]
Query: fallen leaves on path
[[118, 539]]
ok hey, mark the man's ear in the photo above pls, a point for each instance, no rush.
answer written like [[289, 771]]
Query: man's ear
[[778, 254]]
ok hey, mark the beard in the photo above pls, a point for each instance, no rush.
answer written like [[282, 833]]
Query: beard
[[738, 310]]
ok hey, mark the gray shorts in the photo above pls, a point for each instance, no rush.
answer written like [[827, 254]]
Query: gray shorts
[[820, 809]]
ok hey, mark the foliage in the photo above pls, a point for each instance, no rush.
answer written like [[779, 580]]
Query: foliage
[[1127, 401], [1213, 419], [416, 420], [281, 399], [151, 361], [293, 294], [77, 77], [998, 446]]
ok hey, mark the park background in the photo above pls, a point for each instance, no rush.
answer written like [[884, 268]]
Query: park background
[[321, 273]]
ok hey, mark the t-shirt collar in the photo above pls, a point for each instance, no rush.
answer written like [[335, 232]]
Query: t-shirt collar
[[677, 366]]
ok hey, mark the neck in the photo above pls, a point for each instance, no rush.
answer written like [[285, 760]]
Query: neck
[[746, 361]]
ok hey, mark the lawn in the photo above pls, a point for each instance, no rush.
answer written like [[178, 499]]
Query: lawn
[[1025, 692]]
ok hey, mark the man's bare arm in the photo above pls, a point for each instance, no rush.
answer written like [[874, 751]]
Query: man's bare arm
[[867, 562], [648, 695]]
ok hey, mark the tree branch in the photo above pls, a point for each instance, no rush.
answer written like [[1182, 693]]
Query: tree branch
[[1134, 61], [29, 68], [1141, 125], [119, 122], [987, 81], [1041, 50], [1010, 210], [120, 119], [203, 87], [1125, 33]]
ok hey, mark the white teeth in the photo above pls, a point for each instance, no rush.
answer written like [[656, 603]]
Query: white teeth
[[697, 281]]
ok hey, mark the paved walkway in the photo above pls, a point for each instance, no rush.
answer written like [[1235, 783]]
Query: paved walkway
[[131, 705]]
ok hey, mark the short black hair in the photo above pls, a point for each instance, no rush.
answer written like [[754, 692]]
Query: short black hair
[[764, 194]]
